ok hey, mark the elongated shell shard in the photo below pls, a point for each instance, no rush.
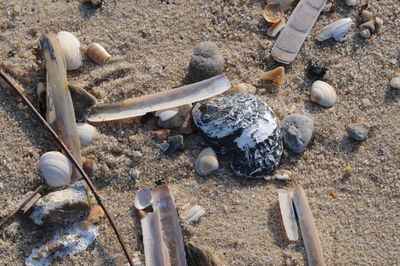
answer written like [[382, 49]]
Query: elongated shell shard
[[56, 168], [336, 30], [163, 100], [193, 214], [275, 28], [296, 30], [288, 214], [276, 75], [70, 47], [308, 228]]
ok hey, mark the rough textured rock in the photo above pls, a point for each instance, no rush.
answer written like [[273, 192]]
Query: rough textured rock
[[61, 206], [175, 143], [297, 132], [206, 62], [358, 131], [244, 127]]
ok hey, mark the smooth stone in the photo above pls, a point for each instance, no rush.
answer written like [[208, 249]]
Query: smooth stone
[[365, 33], [206, 62], [358, 131], [395, 83], [175, 143], [297, 132], [135, 174], [61, 206], [351, 2]]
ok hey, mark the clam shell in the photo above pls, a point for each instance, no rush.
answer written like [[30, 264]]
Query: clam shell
[[56, 168], [167, 114], [193, 214], [273, 12], [87, 133], [90, 167], [323, 93], [276, 28], [97, 53], [276, 75], [336, 30], [70, 47], [206, 162], [395, 83]]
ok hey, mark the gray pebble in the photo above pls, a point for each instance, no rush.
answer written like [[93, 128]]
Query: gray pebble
[[137, 154], [174, 122], [351, 2], [365, 33], [175, 143], [358, 131], [135, 174], [395, 83], [206, 62], [297, 132], [1, 185]]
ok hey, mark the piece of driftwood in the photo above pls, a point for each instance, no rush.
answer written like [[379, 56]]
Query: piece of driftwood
[[288, 214]]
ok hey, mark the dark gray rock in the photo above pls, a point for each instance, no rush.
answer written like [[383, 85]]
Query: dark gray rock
[[206, 62], [358, 131], [244, 127], [297, 132], [175, 143]]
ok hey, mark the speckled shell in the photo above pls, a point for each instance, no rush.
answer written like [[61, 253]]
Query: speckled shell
[[206, 162], [56, 168], [336, 30], [70, 47], [97, 53], [323, 93], [87, 133]]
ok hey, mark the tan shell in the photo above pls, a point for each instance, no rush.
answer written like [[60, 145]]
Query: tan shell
[[276, 75], [206, 162], [273, 12], [97, 53], [276, 27], [323, 93]]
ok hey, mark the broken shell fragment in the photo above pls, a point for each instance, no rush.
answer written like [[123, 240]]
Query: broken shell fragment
[[336, 30], [276, 75], [90, 167], [97, 53], [288, 214], [166, 114], [276, 28], [95, 214], [56, 168], [323, 93], [285, 4], [273, 12], [83, 102], [206, 162], [87, 133], [193, 214], [282, 174], [70, 47], [143, 199]]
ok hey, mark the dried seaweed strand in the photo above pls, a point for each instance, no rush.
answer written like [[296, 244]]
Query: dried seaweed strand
[[17, 88]]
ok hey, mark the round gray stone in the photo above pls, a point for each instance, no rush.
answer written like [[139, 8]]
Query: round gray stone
[[297, 132]]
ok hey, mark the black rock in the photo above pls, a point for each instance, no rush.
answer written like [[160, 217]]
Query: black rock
[[297, 132], [175, 143], [206, 62], [316, 70], [244, 127]]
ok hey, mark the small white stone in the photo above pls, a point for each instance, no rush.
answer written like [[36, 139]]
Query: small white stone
[[395, 83], [365, 33], [366, 102], [351, 2]]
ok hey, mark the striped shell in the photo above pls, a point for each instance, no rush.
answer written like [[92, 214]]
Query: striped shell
[[206, 162], [70, 47], [56, 168], [323, 93], [87, 133]]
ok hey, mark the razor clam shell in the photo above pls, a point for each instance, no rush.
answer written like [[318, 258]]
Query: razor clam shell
[[308, 228], [296, 30], [288, 214], [336, 30], [163, 100]]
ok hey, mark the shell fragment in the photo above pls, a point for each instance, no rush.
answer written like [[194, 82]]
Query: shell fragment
[[336, 30]]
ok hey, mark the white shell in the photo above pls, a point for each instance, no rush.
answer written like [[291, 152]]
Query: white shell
[[143, 199], [276, 28], [167, 114], [323, 93], [193, 214], [87, 133], [395, 83], [70, 47], [336, 30], [206, 162], [56, 168]]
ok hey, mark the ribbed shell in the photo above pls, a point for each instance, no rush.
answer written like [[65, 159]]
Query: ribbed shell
[[206, 162], [70, 47], [56, 168], [87, 133], [323, 93]]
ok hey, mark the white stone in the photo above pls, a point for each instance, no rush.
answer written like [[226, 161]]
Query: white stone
[[351, 2], [395, 83]]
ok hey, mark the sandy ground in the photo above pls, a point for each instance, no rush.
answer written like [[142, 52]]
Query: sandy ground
[[151, 42]]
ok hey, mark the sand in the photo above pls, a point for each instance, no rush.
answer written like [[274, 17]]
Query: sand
[[151, 42]]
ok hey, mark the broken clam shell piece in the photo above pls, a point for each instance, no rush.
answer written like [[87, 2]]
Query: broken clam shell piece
[[56, 168], [70, 47], [296, 30], [167, 114], [276, 75], [288, 214], [160, 101], [97, 53], [276, 28], [323, 93], [193, 214], [206, 162], [143, 199], [336, 30], [273, 12], [87, 133]]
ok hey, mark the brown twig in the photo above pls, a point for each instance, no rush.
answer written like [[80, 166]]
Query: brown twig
[[17, 88], [20, 206]]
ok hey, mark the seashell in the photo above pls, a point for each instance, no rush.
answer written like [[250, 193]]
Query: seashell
[[70, 47], [323, 93], [273, 12], [288, 214], [301, 21], [56, 168], [285, 4], [90, 167], [97, 53], [276, 28], [95, 214], [395, 83], [193, 214], [282, 174], [161, 134], [336, 30], [206, 162], [87, 133], [166, 114], [143, 199], [276, 75]]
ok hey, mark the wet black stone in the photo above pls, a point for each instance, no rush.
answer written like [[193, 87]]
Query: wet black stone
[[316, 70], [175, 143], [244, 127]]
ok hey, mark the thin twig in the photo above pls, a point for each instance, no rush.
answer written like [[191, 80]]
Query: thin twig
[[20, 206], [17, 88]]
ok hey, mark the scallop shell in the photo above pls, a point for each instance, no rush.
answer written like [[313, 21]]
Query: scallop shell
[[70, 47], [56, 168], [323, 93], [97, 53], [336, 30], [276, 75], [87, 133], [206, 162], [276, 28], [273, 12], [167, 114]]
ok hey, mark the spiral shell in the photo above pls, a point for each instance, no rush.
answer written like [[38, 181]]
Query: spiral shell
[[70, 47], [206, 162], [97, 53], [323, 93], [87, 133], [56, 168]]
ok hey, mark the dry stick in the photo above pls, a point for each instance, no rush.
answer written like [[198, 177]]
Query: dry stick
[[20, 206], [71, 157]]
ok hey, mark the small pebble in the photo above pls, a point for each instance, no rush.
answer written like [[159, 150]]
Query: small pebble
[[378, 22], [348, 171], [316, 70], [366, 102], [365, 33], [395, 83], [243, 88], [135, 174], [358, 131], [90, 167], [297, 132], [137, 154], [164, 146], [174, 122], [1, 185], [175, 143], [367, 15], [96, 3], [206, 62], [351, 2], [18, 8], [161, 134]]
